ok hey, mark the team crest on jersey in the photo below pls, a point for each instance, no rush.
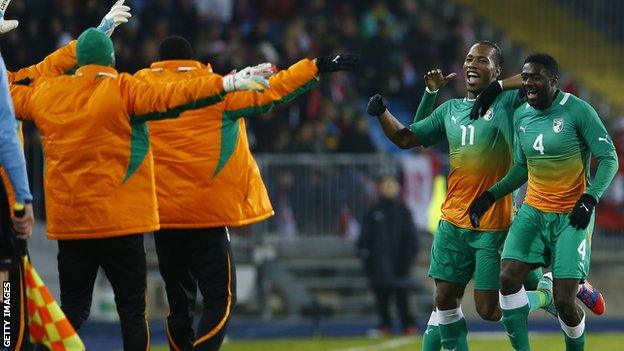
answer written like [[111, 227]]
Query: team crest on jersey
[[557, 125], [489, 115]]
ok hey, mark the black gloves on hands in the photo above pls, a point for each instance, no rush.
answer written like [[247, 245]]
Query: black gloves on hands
[[340, 62], [485, 100], [582, 212], [376, 105], [479, 206]]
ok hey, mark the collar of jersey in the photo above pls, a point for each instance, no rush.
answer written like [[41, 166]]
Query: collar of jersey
[[179, 65], [558, 98], [96, 70]]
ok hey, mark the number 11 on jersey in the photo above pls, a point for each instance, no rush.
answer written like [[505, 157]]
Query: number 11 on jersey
[[469, 129]]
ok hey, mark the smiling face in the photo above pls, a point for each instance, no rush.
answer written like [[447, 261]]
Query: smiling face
[[480, 68], [539, 85]]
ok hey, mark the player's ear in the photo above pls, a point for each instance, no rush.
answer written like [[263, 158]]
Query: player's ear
[[554, 79], [497, 71]]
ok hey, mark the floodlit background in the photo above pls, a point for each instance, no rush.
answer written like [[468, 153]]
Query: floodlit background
[[321, 155]]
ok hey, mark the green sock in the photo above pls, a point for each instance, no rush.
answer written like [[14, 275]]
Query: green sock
[[431, 336], [531, 280], [574, 336], [453, 330], [515, 312], [538, 299], [577, 344]]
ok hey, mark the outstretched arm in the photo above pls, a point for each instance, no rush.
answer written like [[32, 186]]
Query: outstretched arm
[[400, 135], [285, 86], [146, 102]]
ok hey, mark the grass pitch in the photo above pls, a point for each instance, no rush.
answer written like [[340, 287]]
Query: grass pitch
[[477, 342]]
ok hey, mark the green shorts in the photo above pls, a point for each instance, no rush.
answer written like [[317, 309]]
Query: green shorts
[[458, 255], [548, 239]]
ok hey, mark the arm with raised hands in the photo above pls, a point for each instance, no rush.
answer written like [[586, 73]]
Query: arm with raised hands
[[434, 80], [147, 102], [63, 60]]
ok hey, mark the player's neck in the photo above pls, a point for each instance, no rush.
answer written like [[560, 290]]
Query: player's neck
[[551, 100]]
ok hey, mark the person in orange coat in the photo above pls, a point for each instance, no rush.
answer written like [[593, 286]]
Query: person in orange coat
[[99, 179], [206, 181]]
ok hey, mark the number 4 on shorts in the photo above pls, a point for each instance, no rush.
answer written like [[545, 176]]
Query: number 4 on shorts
[[581, 249]]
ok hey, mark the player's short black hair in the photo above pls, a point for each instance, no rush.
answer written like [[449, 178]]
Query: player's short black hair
[[497, 54], [175, 47], [549, 63]]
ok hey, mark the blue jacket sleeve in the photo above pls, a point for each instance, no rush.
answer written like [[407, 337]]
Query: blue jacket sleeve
[[11, 153]]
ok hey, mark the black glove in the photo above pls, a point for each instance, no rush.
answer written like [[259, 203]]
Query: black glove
[[376, 105], [485, 100], [340, 62], [582, 211], [479, 206]]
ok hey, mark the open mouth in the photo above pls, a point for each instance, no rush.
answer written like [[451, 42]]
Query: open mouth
[[472, 77], [531, 94]]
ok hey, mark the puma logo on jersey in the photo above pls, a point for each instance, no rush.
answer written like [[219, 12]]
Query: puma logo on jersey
[[454, 119], [523, 129], [605, 139]]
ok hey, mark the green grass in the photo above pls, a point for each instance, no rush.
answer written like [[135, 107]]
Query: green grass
[[550, 342]]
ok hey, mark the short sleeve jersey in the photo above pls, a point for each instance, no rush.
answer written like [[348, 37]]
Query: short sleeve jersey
[[556, 144], [480, 154]]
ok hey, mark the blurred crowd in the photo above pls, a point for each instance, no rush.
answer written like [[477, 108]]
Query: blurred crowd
[[398, 42]]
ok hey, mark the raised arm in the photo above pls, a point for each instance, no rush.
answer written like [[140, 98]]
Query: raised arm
[[55, 64], [434, 80], [63, 60], [285, 86], [146, 102]]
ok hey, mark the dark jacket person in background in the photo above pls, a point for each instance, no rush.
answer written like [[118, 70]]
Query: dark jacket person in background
[[388, 247]]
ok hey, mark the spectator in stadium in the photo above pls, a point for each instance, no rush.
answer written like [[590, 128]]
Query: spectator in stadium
[[99, 179], [388, 247], [207, 181]]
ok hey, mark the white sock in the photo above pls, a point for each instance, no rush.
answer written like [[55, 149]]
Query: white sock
[[573, 332], [450, 316], [433, 320], [513, 301]]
